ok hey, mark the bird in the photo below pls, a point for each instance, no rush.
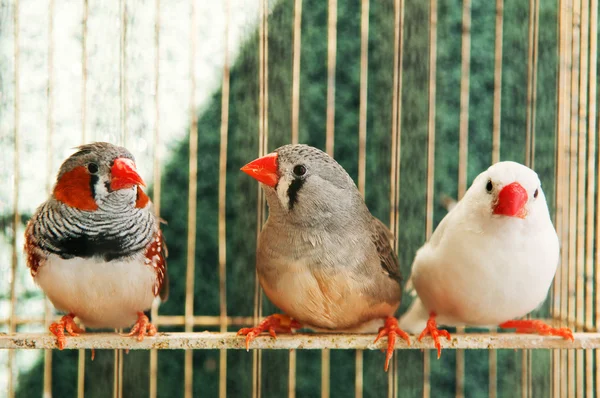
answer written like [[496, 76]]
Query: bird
[[491, 259], [95, 246], [322, 257]]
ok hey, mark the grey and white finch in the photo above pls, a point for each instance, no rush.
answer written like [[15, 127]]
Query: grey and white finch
[[95, 247], [322, 257], [491, 259]]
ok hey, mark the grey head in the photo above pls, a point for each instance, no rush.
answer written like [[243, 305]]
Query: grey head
[[306, 186]]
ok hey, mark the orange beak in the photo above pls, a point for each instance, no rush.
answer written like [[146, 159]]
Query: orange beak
[[124, 174], [263, 169], [511, 201]]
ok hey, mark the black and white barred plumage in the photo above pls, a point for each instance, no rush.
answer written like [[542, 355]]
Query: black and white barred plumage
[[95, 246]]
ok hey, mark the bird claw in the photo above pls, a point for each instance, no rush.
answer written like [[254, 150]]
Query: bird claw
[[66, 323], [142, 328], [392, 330], [539, 327], [273, 323], [432, 330]]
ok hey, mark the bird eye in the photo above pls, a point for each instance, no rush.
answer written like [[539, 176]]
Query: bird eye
[[535, 194], [92, 168], [489, 186], [299, 170]]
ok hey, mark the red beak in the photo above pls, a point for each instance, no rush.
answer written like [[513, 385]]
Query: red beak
[[263, 169], [511, 201], [124, 174]]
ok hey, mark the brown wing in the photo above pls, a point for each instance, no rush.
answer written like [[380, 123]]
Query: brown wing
[[156, 255], [35, 258], [382, 237]]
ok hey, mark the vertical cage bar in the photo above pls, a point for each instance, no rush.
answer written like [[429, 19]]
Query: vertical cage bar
[[396, 155], [559, 373], [325, 364], [16, 219], [358, 375], [295, 123], [222, 207], [496, 123], [84, 72], [581, 186], [47, 389], [430, 160], [464, 100], [592, 262], [296, 68], [573, 133], [263, 135], [153, 379], [463, 152], [123, 71], [192, 197], [566, 102], [362, 144], [362, 112], [331, 63], [118, 362], [396, 119]]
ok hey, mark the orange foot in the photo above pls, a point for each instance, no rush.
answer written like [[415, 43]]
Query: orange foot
[[142, 327], [431, 329], [391, 329], [273, 323], [532, 326], [66, 323]]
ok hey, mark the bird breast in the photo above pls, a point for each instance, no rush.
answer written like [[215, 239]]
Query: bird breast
[[472, 280], [102, 294], [320, 285]]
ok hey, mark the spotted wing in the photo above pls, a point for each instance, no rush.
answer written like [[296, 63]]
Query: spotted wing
[[156, 255], [35, 256]]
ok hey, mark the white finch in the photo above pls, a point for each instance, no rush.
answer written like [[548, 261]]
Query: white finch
[[322, 257], [95, 247], [491, 259]]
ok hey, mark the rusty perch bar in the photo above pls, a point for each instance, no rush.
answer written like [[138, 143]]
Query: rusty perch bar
[[213, 340]]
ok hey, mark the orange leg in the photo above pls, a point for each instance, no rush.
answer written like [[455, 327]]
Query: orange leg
[[432, 330], [273, 323], [66, 323], [533, 326], [391, 329], [142, 327]]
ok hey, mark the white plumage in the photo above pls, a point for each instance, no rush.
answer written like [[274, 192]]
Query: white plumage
[[481, 268], [102, 294]]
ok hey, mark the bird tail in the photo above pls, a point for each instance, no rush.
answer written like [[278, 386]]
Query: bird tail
[[415, 319]]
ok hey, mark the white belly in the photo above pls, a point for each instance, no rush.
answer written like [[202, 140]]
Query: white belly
[[462, 292], [101, 294]]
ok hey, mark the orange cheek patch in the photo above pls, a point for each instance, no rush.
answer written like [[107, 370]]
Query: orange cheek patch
[[73, 189], [142, 199]]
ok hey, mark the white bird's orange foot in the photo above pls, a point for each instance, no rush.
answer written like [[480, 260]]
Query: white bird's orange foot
[[392, 330], [66, 323], [273, 323], [432, 330], [142, 327], [534, 326]]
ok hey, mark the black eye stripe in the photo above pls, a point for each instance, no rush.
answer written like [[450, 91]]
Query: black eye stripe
[[292, 191]]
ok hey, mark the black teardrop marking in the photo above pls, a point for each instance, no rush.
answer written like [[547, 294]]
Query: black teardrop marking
[[293, 191], [93, 181]]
